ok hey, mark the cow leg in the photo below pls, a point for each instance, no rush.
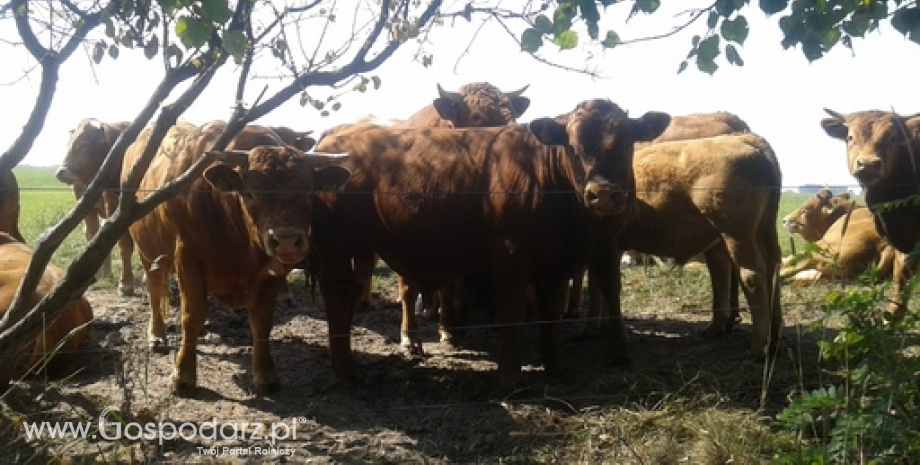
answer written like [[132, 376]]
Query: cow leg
[[364, 268], [551, 297], [511, 307], [719, 264], [761, 296], [340, 288], [449, 309], [409, 340], [126, 283], [193, 309], [261, 318], [158, 293], [575, 295], [604, 282], [897, 308]]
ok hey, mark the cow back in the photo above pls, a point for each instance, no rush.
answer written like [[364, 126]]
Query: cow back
[[15, 257]]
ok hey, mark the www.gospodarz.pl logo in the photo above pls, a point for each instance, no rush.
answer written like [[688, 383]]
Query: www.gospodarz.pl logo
[[110, 427]]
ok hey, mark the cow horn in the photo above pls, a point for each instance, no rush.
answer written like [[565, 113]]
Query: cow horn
[[231, 157], [517, 93], [319, 160], [453, 96]]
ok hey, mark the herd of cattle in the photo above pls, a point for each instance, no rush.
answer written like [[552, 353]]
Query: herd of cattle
[[460, 193]]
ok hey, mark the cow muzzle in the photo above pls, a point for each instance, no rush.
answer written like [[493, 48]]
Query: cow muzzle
[[791, 225], [867, 170], [65, 176], [605, 199], [288, 245]]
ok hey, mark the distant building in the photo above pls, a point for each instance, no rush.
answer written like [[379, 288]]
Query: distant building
[[814, 188]]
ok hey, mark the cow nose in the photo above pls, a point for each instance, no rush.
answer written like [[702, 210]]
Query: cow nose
[[288, 245], [63, 175], [605, 198]]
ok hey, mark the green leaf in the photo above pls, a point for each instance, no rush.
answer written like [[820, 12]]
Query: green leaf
[[706, 66], [216, 11], [712, 20], [593, 30], [562, 19], [567, 40], [735, 30], [773, 6], [235, 43], [113, 51], [543, 25], [152, 47], [612, 39], [709, 48], [731, 53], [174, 54], [725, 7], [648, 6], [99, 51], [831, 37], [531, 40], [589, 11], [682, 67], [906, 20], [193, 32]]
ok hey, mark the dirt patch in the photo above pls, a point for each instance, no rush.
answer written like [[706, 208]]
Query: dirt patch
[[443, 408]]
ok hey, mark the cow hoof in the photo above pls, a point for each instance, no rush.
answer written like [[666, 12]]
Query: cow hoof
[[184, 388], [411, 348], [126, 291], [264, 388], [157, 344]]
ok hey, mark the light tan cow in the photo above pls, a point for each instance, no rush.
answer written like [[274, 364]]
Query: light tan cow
[[87, 148], [846, 242], [68, 330]]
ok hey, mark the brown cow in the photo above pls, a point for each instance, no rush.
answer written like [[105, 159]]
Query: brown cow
[[234, 234], [718, 196], [69, 329], [477, 104], [9, 205], [684, 127], [437, 204], [87, 148], [846, 240], [883, 152]]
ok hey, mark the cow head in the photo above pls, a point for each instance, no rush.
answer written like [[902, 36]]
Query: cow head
[[813, 218], [602, 136], [87, 148], [272, 182], [878, 142], [480, 104]]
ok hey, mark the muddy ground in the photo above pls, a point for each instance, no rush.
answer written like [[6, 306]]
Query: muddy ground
[[444, 408]]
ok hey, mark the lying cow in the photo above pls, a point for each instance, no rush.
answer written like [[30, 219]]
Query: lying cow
[[87, 148], [233, 234], [60, 338], [524, 203], [883, 152], [845, 236]]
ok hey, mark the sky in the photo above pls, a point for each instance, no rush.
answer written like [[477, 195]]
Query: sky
[[778, 92]]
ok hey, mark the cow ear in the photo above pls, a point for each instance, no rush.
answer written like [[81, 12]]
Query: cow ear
[[448, 109], [306, 142], [224, 178], [824, 194], [330, 178], [649, 126], [836, 126], [520, 104], [549, 131]]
